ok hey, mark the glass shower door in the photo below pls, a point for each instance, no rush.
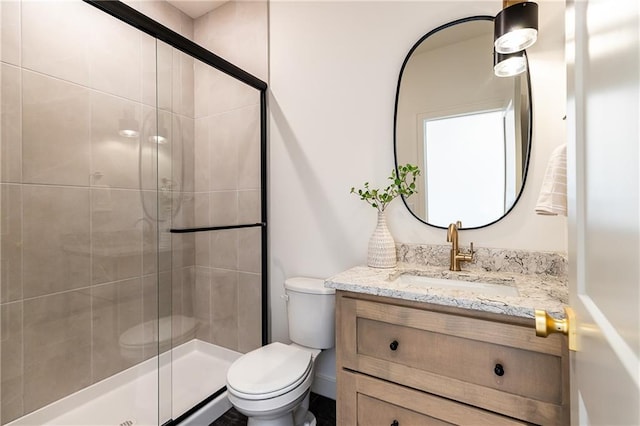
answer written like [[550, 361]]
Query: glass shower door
[[79, 291], [209, 172]]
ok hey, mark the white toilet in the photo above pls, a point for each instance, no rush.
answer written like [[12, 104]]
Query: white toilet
[[271, 385]]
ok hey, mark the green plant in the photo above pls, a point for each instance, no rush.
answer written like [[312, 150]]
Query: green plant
[[402, 183]]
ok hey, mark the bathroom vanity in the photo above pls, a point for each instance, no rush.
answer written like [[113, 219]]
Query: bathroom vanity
[[412, 352], [425, 345]]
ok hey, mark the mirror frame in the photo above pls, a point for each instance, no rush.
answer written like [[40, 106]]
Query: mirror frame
[[530, 114]]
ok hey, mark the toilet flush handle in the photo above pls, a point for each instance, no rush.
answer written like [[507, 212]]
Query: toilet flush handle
[[285, 297]]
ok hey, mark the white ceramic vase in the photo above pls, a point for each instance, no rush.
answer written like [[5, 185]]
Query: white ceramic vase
[[382, 248]]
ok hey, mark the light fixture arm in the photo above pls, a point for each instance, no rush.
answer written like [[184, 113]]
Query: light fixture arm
[[507, 3]]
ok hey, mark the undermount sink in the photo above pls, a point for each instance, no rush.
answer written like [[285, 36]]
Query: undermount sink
[[477, 287]]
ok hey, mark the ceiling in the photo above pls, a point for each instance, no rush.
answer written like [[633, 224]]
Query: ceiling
[[196, 8]]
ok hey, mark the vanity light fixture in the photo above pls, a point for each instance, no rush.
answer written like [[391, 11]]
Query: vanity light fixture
[[161, 137], [128, 127], [516, 26], [158, 139], [509, 65]]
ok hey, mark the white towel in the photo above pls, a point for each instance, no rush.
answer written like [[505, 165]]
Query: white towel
[[553, 193]]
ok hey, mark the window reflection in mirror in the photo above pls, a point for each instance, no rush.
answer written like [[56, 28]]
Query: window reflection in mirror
[[476, 144], [468, 129]]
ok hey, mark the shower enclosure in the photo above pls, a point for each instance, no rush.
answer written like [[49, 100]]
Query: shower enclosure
[[133, 217]]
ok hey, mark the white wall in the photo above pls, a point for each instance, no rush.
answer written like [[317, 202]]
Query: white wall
[[333, 75]]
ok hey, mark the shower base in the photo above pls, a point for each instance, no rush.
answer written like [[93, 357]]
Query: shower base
[[186, 375]]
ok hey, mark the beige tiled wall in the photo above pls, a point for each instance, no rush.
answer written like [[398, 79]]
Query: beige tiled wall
[[51, 326], [237, 31], [79, 264], [55, 239], [54, 111]]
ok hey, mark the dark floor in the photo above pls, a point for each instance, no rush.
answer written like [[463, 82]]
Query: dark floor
[[323, 408]]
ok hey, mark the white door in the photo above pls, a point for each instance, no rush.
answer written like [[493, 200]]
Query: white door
[[604, 219]]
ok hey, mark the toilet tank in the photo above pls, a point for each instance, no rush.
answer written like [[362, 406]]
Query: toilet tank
[[310, 312]]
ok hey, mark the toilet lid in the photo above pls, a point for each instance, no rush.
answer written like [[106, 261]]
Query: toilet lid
[[269, 371]]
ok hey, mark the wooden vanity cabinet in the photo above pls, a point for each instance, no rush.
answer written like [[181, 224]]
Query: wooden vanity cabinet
[[403, 363]]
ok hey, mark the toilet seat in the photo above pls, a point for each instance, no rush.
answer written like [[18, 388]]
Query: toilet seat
[[269, 371]]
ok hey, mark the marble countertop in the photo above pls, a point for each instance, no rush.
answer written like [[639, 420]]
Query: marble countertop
[[535, 291]]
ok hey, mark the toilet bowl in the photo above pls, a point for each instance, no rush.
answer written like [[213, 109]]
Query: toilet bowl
[[271, 385]]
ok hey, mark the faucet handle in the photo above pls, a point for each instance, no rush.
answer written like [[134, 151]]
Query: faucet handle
[[459, 224]]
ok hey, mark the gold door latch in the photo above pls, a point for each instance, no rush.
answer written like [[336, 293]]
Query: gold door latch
[[546, 325]]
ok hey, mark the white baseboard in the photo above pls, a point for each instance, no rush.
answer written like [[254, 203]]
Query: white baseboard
[[324, 385]]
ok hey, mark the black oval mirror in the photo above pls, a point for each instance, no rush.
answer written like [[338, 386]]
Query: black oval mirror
[[468, 130]]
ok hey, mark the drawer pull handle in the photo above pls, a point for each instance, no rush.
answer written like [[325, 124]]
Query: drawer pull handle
[[395, 423], [499, 370], [393, 346]]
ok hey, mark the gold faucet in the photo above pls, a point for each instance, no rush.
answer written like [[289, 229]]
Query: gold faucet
[[456, 256]]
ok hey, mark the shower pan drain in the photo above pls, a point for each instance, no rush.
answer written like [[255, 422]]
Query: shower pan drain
[[127, 423]]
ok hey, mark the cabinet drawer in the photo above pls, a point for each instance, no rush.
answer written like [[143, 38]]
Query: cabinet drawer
[[380, 403], [530, 374], [374, 412]]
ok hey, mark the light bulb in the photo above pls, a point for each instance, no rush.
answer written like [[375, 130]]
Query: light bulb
[[158, 139], [516, 40], [509, 65], [128, 133]]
